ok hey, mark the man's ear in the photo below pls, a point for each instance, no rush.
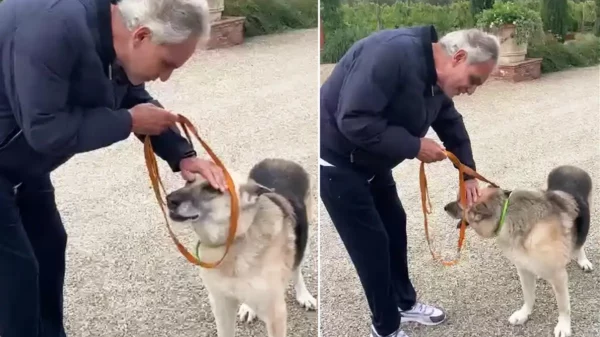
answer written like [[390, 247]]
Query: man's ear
[[251, 191], [459, 57]]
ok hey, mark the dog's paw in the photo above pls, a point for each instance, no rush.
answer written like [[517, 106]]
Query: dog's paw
[[562, 329], [307, 301], [519, 317], [586, 265], [246, 314]]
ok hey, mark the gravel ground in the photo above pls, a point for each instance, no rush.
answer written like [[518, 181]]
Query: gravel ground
[[519, 133], [125, 277]]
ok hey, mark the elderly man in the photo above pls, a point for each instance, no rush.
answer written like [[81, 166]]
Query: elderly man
[[376, 108], [72, 76]]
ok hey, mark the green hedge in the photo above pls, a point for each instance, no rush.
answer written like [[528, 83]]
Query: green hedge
[[360, 19], [445, 18], [273, 16], [582, 52]]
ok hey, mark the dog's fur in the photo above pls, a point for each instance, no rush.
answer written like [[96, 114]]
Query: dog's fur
[[275, 203], [543, 230]]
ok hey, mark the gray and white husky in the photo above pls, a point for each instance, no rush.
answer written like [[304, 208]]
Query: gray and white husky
[[275, 203], [539, 231]]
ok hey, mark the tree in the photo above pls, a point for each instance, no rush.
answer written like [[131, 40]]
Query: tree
[[555, 17]]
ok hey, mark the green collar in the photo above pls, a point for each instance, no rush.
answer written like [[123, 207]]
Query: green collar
[[502, 216]]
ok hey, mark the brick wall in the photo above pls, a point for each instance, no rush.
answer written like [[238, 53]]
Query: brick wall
[[226, 32]]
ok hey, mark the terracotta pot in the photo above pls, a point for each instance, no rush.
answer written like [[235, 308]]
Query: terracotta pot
[[322, 38], [510, 51], [216, 8]]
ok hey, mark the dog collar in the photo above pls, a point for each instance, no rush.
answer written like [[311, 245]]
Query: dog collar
[[502, 216]]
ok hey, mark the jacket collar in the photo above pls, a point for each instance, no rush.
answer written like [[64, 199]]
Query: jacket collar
[[105, 46]]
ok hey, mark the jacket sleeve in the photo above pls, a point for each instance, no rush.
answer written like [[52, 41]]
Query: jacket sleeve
[[371, 82], [170, 145], [44, 54], [450, 128]]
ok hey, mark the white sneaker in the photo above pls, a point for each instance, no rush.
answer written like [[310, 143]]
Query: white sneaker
[[423, 313], [398, 333]]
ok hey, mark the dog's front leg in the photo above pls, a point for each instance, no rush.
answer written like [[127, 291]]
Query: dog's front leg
[[560, 284], [303, 296], [276, 319], [224, 310], [527, 279]]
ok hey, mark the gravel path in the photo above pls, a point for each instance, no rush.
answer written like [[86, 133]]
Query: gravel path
[[125, 276], [519, 133]]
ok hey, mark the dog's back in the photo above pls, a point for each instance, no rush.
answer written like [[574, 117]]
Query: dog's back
[[577, 183], [291, 181]]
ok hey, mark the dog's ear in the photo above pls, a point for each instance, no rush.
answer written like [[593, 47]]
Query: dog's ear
[[251, 191]]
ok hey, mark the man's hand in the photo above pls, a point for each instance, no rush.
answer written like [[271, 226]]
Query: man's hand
[[430, 151], [473, 193], [206, 168], [148, 119]]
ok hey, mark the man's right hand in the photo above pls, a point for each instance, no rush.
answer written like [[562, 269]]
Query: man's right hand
[[431, 151], [148, 119]]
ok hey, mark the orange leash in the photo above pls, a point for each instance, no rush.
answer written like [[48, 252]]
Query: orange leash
[[462, 169], [152, 166]]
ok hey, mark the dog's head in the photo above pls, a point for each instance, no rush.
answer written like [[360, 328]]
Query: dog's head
[[208, 209], [484, 215]]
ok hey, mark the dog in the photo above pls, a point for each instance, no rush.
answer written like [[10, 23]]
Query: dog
[[275, 209], [539, 231]]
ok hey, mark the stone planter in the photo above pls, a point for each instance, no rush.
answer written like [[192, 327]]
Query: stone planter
[[216, 8], [510, 51]]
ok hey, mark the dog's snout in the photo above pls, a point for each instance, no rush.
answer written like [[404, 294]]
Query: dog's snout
[[173, 201], [447, 207]]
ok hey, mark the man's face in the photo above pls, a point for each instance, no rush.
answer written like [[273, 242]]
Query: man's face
[[462, 78], [147, 61]]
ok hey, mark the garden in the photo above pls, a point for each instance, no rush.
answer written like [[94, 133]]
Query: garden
[[564, 33]]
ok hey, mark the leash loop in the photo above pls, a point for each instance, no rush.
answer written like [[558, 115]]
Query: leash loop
[[426, 203], [156, 182]]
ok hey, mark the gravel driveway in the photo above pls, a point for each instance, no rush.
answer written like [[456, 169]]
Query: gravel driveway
[[124, 275], [519, 133]]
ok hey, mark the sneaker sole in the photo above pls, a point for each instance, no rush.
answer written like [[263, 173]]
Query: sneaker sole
[[404, 319]]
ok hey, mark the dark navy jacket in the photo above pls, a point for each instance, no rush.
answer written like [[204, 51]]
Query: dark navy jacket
[[382, 97], [60, 91]]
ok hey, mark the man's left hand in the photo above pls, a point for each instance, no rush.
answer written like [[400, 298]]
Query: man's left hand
[[472, 187], [206, 168]]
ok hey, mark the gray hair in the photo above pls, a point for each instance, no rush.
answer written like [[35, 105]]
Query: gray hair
[[171, 21], [479, 45]]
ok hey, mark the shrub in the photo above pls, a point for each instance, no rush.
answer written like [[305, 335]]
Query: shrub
[[528, 22], [582, 52], [273, 16]]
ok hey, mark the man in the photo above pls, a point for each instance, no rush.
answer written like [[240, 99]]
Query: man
[[72, 76], [376, 108]]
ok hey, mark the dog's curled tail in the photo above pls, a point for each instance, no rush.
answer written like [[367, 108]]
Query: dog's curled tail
[[564, 202]]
